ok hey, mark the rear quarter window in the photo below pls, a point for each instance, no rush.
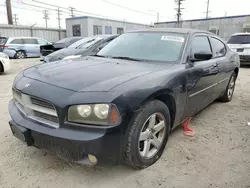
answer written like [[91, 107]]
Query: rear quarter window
[[16, 41]]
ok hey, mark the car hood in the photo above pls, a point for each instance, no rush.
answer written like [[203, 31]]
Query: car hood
[[90, 74], [60, 54]]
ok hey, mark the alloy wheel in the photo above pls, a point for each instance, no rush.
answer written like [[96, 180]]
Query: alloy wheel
[[152, 135], [231, 87], [20, 55]]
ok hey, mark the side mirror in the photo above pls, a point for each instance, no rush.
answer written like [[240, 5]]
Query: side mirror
[[201, 56]]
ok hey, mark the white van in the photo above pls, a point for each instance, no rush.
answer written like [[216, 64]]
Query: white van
[[240, 43]]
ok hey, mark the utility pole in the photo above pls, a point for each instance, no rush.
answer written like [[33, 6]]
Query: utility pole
[[179, 10], [15, 19], [46, 17], [207, 12], [72, 11], [59, 22], [9, 12]]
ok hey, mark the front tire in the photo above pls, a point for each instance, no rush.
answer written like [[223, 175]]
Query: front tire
[[148, 135], [228, 95]]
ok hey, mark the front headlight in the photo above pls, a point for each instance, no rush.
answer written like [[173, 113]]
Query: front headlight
[[98, 114], [71, 57], [3, 55]]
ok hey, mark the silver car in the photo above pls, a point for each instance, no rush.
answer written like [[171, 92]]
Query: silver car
[[21, 47]]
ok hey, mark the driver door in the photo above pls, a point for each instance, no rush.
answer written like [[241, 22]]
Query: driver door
[[203, 76]]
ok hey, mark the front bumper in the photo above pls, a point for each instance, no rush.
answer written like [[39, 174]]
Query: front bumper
[[72, 144]]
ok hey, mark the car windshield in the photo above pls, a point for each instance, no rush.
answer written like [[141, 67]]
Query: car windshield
[[81, 42], [89, 43], [165, 47], [239, 39]]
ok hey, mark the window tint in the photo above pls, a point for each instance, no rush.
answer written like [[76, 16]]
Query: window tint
[[239, 39], [97, 30], [30, 41], [201, 44], [42, 42], [76, 30], [16, 41], [119, 31], [219, 48]]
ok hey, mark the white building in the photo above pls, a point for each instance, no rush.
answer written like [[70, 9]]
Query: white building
[[89, 26], [222, 26]]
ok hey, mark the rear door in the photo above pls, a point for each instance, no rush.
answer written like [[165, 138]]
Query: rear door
[[203, 76], [225, 63], [32, 47]]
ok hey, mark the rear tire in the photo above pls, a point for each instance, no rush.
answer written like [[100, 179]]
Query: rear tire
[[148, 135], [20, 55], [228, 95]]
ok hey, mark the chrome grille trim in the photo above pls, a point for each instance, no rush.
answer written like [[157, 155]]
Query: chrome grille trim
[[36, 109]]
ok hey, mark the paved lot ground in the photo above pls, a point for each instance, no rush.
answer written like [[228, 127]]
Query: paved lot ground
[[218, 156]]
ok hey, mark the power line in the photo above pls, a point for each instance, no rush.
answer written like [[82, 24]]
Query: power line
[[15, 19], [207, 12], [59, 22], [127, 8], [46, 17], [72, 12], [179, 11]]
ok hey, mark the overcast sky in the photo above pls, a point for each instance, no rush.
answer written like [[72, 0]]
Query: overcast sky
[[194, 9]]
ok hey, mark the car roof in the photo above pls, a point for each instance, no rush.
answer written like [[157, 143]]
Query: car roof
[[172, 30], [235, 34]]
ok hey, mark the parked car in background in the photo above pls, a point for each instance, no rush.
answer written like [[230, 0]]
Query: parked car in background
[[122, 103], [240, 43], [64, 43], [21, 47], [81, 48], [4, 62]]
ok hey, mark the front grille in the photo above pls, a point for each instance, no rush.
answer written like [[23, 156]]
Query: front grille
[[40, 102], [36, 109], [46, 116]]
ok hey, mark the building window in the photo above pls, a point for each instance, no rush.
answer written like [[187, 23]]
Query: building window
[[76, 30], [119, 31], [108, 30], [97, 30]]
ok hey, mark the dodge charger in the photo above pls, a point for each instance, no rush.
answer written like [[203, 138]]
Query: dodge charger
[[121, 104]]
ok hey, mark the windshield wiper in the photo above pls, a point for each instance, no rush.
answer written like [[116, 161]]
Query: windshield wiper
[[124, 57], [99, 56]]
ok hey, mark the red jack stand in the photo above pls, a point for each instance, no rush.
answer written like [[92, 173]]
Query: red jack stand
[[187, 130]]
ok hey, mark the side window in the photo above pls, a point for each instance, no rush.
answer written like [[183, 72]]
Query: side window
[[218, 47], [201, 44], [76, 30], [42, 42], [16, 41], [29, 41]]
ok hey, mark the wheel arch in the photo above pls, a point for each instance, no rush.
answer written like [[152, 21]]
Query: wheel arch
[[165, 96], [236, 70]]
